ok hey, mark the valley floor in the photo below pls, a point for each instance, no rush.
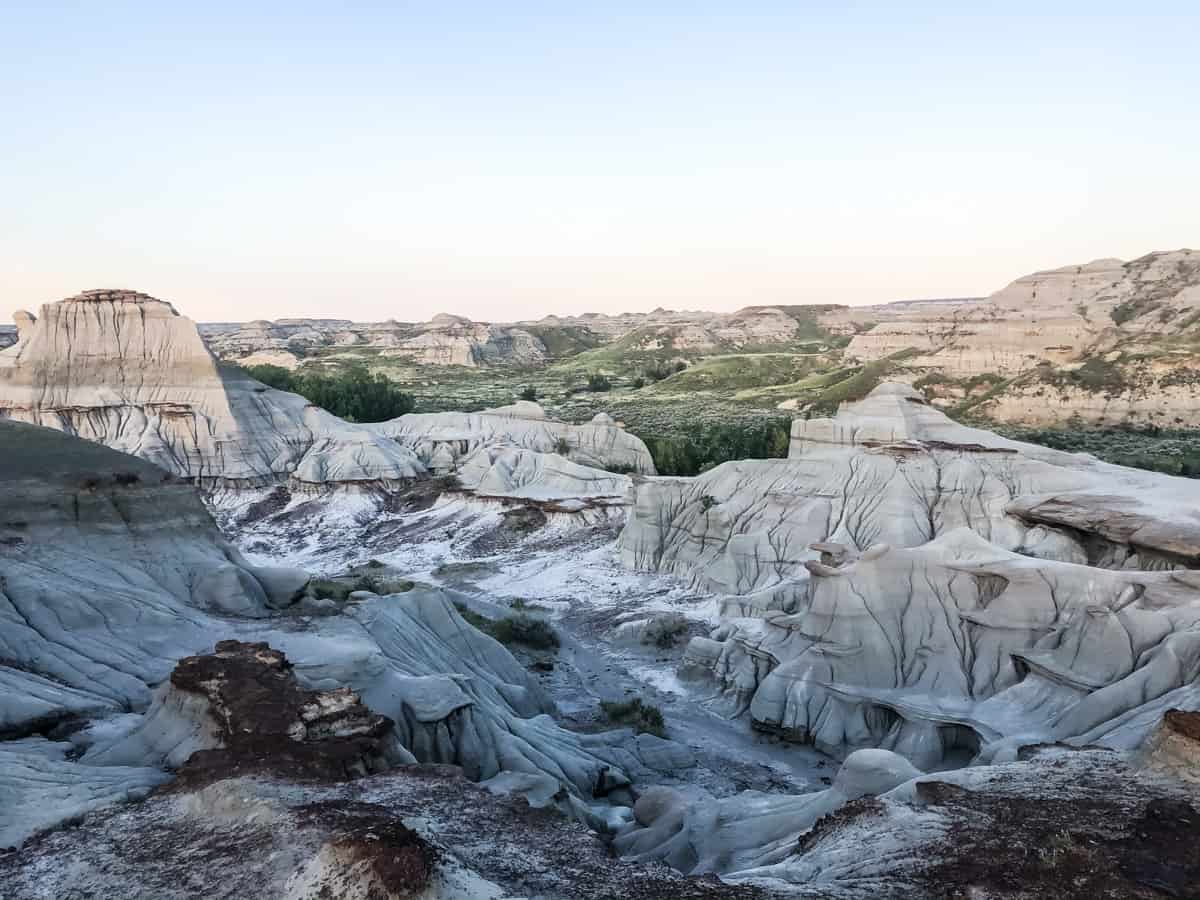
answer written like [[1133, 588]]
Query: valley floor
[[569, 576]]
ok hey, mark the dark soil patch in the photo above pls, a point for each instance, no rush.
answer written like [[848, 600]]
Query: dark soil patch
[[1073, 849], [270, 724]]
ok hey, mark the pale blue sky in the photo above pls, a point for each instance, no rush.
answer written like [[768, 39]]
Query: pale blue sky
[[506, 160]]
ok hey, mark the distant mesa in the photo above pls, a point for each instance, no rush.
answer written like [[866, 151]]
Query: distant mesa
[[443, 320]]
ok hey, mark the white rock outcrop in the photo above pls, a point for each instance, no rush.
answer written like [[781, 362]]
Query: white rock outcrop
[[126, 370], [600, 443], [932, 589], [750, 829], [525, 474]]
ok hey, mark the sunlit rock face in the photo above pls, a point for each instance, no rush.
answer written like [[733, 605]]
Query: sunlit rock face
[[126, 370], [1051, 315], [600, 443], [933, 589]]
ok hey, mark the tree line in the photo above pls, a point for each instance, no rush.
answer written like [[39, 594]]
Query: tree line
[[352, 393], [710, 445]]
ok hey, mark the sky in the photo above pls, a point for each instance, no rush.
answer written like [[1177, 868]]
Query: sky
[[506, 160]]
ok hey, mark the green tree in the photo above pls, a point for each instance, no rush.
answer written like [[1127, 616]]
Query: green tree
[[598, 383], [353, 393]]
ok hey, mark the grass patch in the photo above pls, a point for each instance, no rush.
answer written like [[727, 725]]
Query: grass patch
[[737, 372], [855, 386], [1166, 450], [641, 717], [564, 341]]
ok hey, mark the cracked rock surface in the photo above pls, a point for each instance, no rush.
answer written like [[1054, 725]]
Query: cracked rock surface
[[903, 582]]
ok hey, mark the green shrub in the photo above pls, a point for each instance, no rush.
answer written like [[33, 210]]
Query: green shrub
[[641, 717], [984, 379], [516, 629], [657, 371], [932, 379], [529, 393], [353, 394], [1095, 376], [665, 632], [329, 589], [1171, 451], [525, 630], [598, 383]]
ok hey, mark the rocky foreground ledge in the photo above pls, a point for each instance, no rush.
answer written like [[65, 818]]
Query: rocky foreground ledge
[[308, 795]]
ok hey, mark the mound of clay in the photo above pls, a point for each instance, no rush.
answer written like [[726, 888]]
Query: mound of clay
[[601, 443], [749, 829]]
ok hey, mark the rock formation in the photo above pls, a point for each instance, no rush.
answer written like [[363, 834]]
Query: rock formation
[[1054, 316], [126, 370], [935, 590], [600, 443], [750, 829], [115, 572], [414, 832]]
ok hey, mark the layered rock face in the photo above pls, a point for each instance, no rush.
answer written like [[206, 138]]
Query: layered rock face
[[445, 340], [454, 341], [933, 589], [126, 370], [1055, 316], [453, 436]]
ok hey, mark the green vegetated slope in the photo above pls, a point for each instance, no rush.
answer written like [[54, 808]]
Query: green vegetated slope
[[562, 341]]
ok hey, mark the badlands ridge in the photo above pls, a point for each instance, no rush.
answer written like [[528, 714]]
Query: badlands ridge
[[996, 646]]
